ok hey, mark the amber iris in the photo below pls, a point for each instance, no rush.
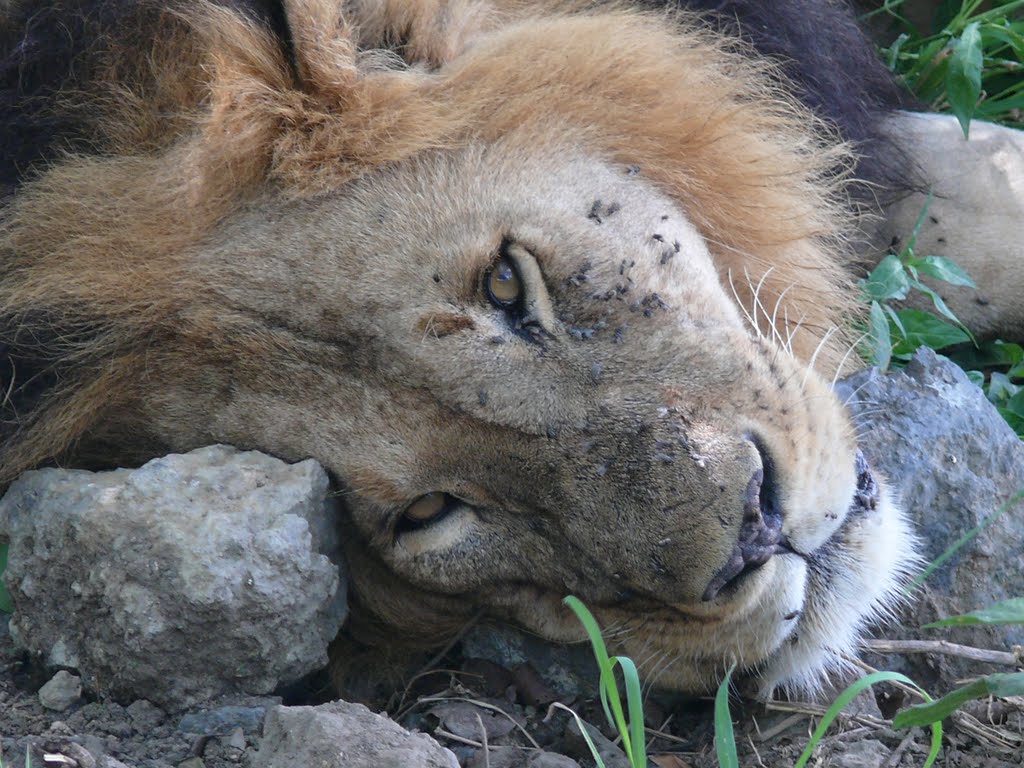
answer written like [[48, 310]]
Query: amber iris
[[504, 287]]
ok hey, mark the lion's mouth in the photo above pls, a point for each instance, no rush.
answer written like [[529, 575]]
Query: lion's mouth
[[761, 534]]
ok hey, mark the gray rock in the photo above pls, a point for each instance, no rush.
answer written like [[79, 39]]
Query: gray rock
[[236, 740], [61, 691], [193, 576], [515, 757], [570, 669], [223, 720], [862, 753], [576, 745], [954, 462], [343, 735]]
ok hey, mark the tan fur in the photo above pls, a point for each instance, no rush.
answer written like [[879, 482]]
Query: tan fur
[[294, 263], [973, 190]]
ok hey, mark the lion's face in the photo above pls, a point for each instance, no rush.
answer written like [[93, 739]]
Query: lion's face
[[530, 380]]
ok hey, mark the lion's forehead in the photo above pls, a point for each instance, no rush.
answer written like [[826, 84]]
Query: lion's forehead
[[415, 238]]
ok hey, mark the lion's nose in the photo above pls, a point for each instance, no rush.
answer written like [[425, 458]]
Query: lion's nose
[[760, 534]]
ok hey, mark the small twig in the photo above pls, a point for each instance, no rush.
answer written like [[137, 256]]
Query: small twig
[[894, 759], [439, 656], [907, 689], [806, 708], [941, 646], [482, 705], [453, 674], [483, 738], [775, 730], [757, 754], [470, 743], [460, 739], [667, 736], [652, 732]]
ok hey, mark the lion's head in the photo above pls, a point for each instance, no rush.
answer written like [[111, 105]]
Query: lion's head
[[549, 310]]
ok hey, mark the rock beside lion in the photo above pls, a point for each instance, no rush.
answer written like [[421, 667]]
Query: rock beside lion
[[955, 463], [343, 735], [196, 575]]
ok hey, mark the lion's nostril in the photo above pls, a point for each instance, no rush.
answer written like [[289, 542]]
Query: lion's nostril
[[760, 534]]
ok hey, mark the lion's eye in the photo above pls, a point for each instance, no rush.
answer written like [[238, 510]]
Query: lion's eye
[[503, 284], [426, 509]]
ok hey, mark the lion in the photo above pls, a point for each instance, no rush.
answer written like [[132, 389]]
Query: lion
[[556, 292]]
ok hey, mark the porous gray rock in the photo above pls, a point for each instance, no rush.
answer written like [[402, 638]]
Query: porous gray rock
[[343, 735], [955, 463], [61, 691], [226, 719], [515, 757], [861, 753], [570, 669], [194, 576]]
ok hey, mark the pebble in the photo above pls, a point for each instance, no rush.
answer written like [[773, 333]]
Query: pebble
[[62, 690]]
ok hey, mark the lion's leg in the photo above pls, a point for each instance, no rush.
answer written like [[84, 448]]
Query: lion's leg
[[975, 217]]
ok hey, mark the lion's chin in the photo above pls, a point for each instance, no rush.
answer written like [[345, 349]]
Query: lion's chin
[[857, 577]]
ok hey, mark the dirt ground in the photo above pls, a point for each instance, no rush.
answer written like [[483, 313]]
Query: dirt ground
[[484, 702]]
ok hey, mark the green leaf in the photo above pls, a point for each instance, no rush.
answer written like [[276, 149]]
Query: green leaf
[[848, 695], [921, 329], [1004, 34], [989, 354], [6, 603], [941, 268], [887, 281], [1000, 388], [939, 303], [963, 77], [894, 319], [725, 739], [1006, 612], [1015, 404], [1002, 684], [881, 339], [1016, 422]]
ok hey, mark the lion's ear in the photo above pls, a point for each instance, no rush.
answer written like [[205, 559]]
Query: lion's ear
[[323, 47]]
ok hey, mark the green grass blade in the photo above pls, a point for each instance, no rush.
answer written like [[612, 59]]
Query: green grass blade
[[611, 700], [6, 603], [1001, 684], [1003, 613], [969, 536], [593, 630], [847, 696], [635, 702], [586, 736], [725, 739]]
